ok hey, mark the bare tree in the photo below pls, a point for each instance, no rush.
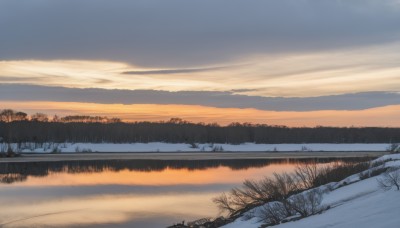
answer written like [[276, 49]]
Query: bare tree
[[20, 116], [7, 115], [390, 179], [40, 117], [56, 118]]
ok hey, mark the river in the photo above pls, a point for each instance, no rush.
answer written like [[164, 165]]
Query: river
[[124, 193]]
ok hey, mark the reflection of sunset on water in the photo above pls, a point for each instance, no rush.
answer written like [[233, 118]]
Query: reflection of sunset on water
[[168, 176], [128, 193], [97, 209]]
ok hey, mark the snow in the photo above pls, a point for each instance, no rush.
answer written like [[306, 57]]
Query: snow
[[360, 204], [388, 157], [170, 147], [393, 164], [360, 207]]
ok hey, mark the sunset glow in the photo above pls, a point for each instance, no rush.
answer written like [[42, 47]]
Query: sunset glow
[[383, 116], [264, 55]]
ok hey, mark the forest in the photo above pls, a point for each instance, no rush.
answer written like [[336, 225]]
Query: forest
[[17, 127]]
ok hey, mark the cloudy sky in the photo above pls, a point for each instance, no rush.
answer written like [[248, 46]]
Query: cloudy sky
[[290, 62]]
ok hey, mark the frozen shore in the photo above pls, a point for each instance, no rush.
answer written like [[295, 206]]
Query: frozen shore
[[50, 147]]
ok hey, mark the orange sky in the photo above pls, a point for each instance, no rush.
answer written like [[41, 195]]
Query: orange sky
[[383, 116]]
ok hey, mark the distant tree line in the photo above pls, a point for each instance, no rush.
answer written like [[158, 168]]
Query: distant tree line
[[18, 127], [9, 115]]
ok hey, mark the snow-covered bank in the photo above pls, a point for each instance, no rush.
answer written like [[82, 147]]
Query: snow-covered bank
[[356, 203], [169, 147]]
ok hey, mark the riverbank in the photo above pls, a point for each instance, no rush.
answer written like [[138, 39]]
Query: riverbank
[[357, 201], [186, 156]]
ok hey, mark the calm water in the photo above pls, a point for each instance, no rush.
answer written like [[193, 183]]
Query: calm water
[[139, 193]]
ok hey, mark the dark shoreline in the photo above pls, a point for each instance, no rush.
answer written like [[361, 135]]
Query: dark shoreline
[[185, 156]]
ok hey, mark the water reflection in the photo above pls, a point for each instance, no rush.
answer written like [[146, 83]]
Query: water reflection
[[135, 193], [19, 171]]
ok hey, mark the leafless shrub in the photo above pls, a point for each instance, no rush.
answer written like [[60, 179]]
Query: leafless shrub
[[394, 148], [306, 174], [372, 172], [282, 185], [273, 213], [304, 149], [248, 215], [254, 193], [338, 172], [391, 178], [307, 203], [86, 151], [55, 150], [281, 188], [217, 149], [257, 191], [3, 148], [194, 145], [378, 163], [224, 203], [13, 151], [198, 222], [239, 199]]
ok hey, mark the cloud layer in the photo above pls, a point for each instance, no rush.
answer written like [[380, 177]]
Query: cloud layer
[[356, 101], [179, 33]]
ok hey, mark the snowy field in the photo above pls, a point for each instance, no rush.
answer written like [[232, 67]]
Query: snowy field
[[181, 147], [360, 204]]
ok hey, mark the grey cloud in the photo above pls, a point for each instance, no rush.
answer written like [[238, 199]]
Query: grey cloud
[[356, 101], [181, 33], [103, 81], [243, 90], [174, 71]]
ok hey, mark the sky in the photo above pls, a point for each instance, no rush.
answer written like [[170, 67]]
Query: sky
[[285, 62]]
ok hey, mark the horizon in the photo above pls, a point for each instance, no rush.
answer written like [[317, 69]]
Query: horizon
[[87, 118]]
